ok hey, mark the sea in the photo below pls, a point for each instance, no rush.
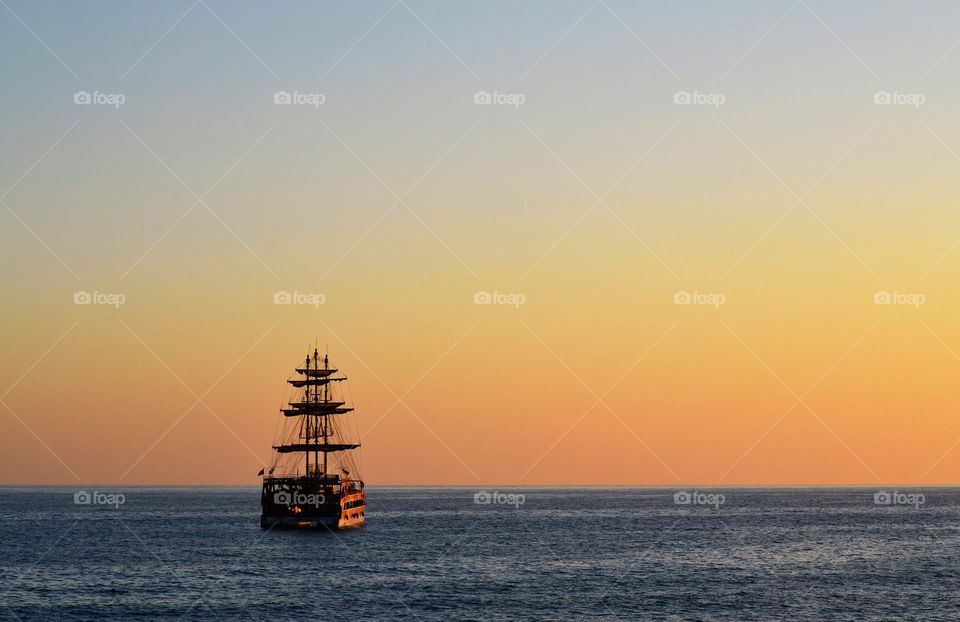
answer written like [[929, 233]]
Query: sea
[[486, 554]]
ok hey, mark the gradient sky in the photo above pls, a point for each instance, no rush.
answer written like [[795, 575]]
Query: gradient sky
[[798, 199]]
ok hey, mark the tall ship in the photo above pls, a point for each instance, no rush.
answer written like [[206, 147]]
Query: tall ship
[[314, 481]]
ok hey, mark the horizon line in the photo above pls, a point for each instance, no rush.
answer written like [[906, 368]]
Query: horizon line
[[518, 487]]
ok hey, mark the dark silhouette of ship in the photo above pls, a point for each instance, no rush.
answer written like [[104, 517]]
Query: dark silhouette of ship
[[314, 479]]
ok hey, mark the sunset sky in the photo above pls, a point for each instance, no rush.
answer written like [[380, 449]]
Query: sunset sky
[[789, 194]]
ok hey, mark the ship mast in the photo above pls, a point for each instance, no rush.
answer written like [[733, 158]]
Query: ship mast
[[326, 399], [319, 421], [306, 427], [316, 409]]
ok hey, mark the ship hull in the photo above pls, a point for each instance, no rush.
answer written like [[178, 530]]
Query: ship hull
[[311, 503], [310, 522], [296, 522]]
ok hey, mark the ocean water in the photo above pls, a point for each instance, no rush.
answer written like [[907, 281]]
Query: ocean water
[[445, 554]]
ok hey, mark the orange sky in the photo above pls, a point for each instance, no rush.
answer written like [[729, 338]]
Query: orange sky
[[497, 394], [596, 203]]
